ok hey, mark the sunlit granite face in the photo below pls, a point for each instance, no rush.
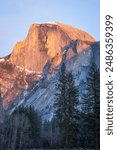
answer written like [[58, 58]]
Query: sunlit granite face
[[45, 41]]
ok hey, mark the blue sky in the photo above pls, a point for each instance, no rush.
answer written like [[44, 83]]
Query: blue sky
[[16, 16]]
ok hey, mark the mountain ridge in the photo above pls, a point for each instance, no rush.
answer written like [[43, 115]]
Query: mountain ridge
[[35, 63], [51, 38]]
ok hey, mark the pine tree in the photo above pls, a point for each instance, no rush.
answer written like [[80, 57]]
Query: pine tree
[[66, 112], [91, 108], [22, 129], [35, 121]]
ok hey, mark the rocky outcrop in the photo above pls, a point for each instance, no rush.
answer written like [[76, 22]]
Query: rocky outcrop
[[45, 41], [13, 80]]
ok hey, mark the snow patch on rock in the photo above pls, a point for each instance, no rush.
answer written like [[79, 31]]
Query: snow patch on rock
[[52, 22], [2, 59]]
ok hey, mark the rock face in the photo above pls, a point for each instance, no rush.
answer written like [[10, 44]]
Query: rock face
[[41, 95], [28, 75], [45, 41], [13, 80]]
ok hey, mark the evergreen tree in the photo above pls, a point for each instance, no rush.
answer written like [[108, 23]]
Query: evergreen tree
[[66, 112], [35, 125], [35, 121], [21, 130], [50, 135], [91, 108]]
